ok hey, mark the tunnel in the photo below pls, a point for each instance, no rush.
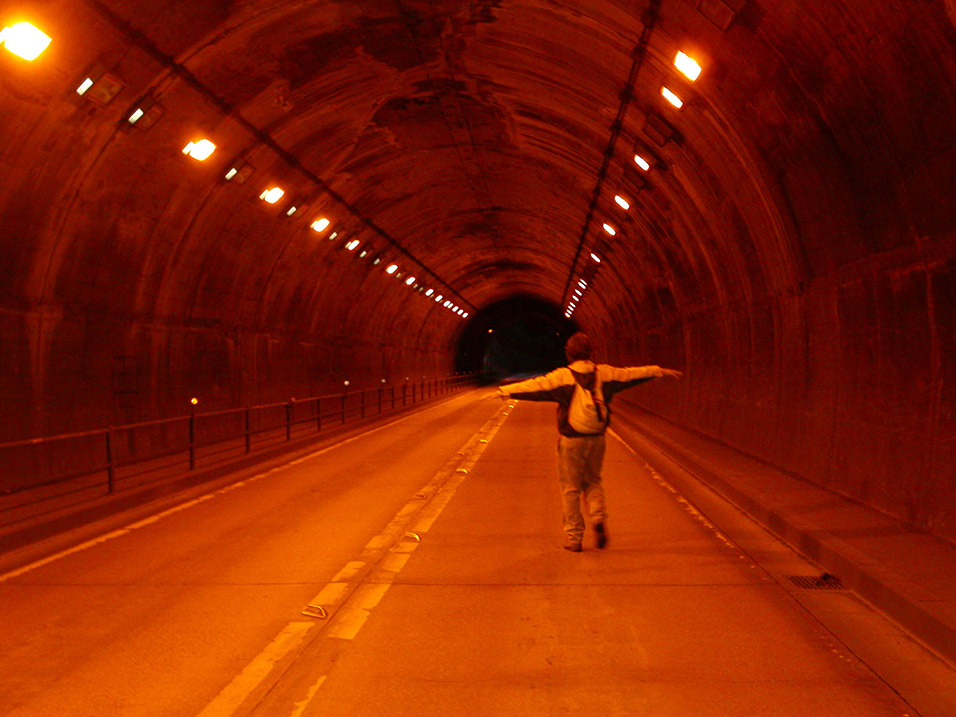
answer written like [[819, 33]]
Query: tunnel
[[225, 203], [789, 244]]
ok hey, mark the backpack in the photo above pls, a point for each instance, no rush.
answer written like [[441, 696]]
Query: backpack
[[587, 413]]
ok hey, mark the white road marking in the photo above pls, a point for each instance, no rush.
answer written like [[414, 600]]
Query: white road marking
[[299, 707], [351, 569], [353, 613], [236, 692], [684, 503]]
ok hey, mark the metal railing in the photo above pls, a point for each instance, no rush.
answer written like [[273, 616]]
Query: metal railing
[[43, 476]]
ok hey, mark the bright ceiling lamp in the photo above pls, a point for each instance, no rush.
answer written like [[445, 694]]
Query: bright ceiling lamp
[[688, 66], [439, 298], [201, 150], [464, 315], [610, 230], [320, 225], [391, 269], [429, 292], [583, 284], [353, 245], [409, 281], [642, 163], [672, 98], [622, 202], [24, 40], [272, 195], [595, 258]]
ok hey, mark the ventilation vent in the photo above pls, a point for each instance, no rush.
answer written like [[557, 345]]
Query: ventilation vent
[[720, 12], [817, 582]]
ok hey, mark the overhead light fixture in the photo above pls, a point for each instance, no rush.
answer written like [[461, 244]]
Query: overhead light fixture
[[642, 163], [239, 172], [392, 268], [439, 298], [672, 98], [24, 40], [595, 258], [622, 202], [353, 245], [99, 85], [292, 210], [429, 292], [200, 150], [610, 230], [145, 113], [409, 281], [272, 195], [320, 225], [583, 284], [688, 66]]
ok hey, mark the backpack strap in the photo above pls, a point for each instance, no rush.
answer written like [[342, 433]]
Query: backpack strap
[[594, 391]]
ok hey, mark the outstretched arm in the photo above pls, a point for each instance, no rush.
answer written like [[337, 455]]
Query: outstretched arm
[[617, 379], [540, 388]]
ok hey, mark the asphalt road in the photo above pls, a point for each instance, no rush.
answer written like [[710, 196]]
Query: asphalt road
[[430, 552]]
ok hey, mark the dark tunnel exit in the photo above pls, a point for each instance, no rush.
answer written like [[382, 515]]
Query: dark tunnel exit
[[520, 336]]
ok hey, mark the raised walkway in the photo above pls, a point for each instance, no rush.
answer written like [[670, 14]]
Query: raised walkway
[[907, 575]]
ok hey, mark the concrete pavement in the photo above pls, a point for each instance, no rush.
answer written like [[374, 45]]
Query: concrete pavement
[[434, 544]]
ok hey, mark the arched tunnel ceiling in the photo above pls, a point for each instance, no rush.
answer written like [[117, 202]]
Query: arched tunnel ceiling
[[480, 144]]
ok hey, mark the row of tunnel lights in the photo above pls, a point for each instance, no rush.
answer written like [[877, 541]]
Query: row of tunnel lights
[[690, 69], [29, 42]]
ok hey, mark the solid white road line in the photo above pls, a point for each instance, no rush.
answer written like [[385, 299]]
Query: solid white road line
[[236, 692]]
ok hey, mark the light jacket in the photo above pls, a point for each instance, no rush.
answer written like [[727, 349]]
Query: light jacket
[[558, 385]]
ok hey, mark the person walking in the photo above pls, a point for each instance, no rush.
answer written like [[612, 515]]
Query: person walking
[[583, 392]]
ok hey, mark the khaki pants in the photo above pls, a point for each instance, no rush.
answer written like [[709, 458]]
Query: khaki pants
[[579, 471]]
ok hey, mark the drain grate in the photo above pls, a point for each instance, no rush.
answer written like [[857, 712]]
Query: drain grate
[[817, 582]]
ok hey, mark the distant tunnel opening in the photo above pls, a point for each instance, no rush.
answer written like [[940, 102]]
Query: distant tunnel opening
[[519, 336]]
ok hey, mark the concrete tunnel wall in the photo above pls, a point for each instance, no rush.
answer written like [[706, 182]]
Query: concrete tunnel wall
[[793, 250]]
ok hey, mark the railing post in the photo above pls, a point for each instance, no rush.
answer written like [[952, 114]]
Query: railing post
[[248, 432], [110, 469], [192, 439]]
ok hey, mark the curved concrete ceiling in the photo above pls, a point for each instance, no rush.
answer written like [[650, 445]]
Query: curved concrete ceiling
[[792, 247]]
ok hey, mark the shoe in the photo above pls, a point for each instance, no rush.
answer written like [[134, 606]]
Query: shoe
[[601, 534], [573, 547]]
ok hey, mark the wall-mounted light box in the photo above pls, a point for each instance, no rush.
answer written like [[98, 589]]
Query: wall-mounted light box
[[100, 86], [145, 113], [239, 172]]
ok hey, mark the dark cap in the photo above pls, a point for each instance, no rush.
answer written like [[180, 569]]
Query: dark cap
[[578, 347]]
